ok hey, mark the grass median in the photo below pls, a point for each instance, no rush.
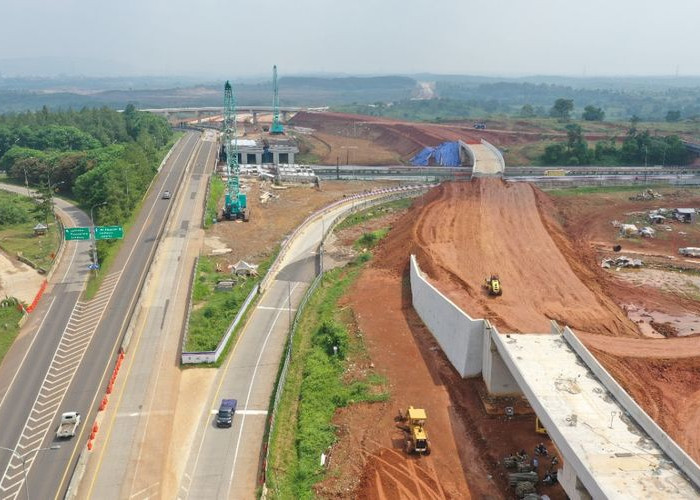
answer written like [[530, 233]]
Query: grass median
[[216, 192], [214, 310]]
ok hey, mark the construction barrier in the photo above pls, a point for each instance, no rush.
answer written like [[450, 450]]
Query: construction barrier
[[41, 291]]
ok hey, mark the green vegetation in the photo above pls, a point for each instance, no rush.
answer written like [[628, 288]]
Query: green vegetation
[[214, 310], [216, 191], [96, 156], [434, 110], [107, 250], [318, 383], [638, 148], [9, 327], [562, 109], [587, 190], [373, 212], [370, 239], [18, 216]]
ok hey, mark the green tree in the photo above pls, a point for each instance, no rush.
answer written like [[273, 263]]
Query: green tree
[[593, 114], [673, 116], [44, 203], [527, 111], [562, 109]]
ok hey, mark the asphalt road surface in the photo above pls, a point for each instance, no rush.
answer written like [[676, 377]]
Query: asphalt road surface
[[66, 363], [135, 435], [224, 463]]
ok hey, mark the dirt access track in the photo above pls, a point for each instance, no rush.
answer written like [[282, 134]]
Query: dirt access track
[[460, 233], [370, 140]]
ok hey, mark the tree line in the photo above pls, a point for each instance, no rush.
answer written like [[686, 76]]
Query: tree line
[[99, 157], [637, 148]]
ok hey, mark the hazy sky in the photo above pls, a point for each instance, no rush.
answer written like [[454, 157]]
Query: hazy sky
[[238, 38]]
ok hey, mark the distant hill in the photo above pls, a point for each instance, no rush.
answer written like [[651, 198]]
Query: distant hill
[[294, 91]]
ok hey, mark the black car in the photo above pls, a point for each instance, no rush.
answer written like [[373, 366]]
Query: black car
[[224, 418]]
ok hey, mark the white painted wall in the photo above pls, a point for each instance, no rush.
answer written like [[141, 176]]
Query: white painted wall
[[459, 336]]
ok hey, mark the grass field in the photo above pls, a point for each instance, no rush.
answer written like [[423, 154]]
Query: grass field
[[9, 328], [212, 310], [19, 239]]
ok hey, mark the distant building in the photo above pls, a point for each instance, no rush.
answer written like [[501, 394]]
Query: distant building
[[685, 214], [266, 152]]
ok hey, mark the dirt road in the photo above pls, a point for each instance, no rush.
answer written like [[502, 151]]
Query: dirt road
[[470, 230]]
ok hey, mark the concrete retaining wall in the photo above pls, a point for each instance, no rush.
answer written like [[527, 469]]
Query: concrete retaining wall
[[213, 356], [668, 445], [459, 336]]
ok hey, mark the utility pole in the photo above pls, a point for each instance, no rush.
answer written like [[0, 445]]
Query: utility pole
[[94, 239]]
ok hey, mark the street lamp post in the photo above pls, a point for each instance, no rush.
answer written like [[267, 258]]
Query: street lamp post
[[23, 458], [94, 239], [51, 188]]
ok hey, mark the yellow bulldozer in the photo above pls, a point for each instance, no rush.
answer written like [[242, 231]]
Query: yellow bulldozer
[[414, 429], [493, 285]]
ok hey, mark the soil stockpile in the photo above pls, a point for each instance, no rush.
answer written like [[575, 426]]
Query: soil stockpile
[[467, 231]]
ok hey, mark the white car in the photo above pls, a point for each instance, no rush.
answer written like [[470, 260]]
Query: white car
[[167, 195]]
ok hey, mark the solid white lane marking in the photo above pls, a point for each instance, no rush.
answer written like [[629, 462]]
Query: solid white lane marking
[[250, 389]]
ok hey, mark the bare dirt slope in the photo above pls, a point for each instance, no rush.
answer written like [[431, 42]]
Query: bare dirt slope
[[469, 230]]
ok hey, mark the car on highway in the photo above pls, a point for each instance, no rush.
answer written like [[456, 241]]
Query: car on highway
[[68, 425], [167, 195], [224, 418]]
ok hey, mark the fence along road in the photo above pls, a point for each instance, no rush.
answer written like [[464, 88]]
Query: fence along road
[[67, 370], [224, 463]]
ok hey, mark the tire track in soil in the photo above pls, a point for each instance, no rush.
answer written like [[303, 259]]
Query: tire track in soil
[[412, 481]]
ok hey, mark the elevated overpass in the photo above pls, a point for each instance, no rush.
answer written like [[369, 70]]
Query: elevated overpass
[[610, 447], [204, 111]]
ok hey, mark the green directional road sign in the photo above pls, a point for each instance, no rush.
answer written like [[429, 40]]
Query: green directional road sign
[[76, 233], [109, 232]]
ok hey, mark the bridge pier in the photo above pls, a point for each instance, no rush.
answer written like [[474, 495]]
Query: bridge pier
[[571, 483], [495, 373]]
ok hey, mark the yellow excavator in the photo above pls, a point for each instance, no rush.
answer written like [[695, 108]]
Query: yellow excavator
[[414, 428], [493, 284]]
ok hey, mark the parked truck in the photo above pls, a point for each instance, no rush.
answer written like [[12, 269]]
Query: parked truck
[[224, 418], [68, 425]]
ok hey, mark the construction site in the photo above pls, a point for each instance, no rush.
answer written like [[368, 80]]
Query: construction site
[[513, 255]]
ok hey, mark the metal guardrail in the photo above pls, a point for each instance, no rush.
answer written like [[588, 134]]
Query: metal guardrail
[[319, 213]]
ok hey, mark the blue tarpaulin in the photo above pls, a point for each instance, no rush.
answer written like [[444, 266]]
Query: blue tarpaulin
[[446, 155]]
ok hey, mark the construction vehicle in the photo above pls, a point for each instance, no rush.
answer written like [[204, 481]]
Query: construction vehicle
[[414, 428], [539, 428], [68, 425], [493, 284], [276, 127], [235, 202]]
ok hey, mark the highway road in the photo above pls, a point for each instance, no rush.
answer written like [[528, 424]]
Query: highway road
[[66, 369], [224, 463], [132, 450]]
